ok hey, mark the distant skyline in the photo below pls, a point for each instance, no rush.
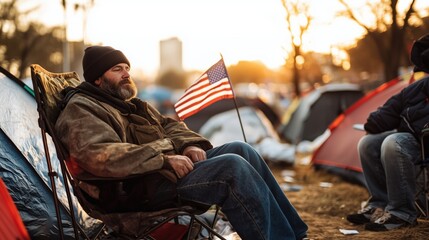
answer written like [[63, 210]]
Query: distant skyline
[[253, 30]]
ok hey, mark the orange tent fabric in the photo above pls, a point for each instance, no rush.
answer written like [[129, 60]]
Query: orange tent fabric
[[11, 225]]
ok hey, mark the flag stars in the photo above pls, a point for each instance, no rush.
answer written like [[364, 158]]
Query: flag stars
[[217, 72]]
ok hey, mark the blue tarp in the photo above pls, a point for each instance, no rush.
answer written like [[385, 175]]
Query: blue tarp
[[23, 166]]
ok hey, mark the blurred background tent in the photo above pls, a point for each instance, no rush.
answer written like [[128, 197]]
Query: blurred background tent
[[158, 96], [316, 110], [338, 153], [195, 122], [23, 168], [260, 133], [220, 123]]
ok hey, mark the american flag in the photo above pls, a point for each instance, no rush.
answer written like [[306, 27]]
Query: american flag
[[211, 87]]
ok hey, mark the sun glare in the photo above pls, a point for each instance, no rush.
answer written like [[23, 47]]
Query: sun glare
[[252, 30]]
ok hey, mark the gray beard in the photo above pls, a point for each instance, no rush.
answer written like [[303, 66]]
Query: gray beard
[[121, 90]]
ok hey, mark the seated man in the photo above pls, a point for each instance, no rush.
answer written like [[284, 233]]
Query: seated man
[[110, 133], [390, 149]]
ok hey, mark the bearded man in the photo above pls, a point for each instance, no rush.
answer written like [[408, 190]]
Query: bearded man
[[110, 133]]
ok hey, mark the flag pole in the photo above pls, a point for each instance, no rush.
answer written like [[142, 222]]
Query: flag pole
[[235, 102]]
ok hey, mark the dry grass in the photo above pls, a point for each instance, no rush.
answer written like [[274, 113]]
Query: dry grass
[[324, 208]]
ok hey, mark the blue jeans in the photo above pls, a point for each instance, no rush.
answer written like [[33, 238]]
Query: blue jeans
[[388, 165], [236, 178]]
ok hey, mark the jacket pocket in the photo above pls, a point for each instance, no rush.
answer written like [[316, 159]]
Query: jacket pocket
[[142, 134]]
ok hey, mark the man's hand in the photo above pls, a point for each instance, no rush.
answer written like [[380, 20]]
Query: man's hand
[[196, 154], [181, 165]]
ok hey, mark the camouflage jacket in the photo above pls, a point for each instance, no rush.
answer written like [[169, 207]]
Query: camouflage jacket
[[108, 140]]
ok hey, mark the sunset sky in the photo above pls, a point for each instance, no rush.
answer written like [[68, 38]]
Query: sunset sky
[[237, 29]]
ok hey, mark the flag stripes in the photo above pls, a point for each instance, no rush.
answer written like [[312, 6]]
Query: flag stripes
[[211, 87]]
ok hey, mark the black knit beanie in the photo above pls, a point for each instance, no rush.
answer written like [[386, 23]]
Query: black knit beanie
[[420, 54], [98, 59]]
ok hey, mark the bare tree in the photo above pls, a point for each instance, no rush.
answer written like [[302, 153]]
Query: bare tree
[[25, 42], [298, 21], [8, 14], [389, 20]]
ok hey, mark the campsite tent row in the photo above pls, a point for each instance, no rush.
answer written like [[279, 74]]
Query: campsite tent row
[[338, 153], [330, 111], [23, 167]]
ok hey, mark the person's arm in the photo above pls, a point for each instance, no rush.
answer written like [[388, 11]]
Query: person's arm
[[181, 136], [183, 164], [387, 117], [95, 139]]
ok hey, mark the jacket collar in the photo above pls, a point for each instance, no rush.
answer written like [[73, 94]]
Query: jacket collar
[[126, 107]]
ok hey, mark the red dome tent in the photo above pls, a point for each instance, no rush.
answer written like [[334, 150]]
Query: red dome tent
[[11, 225], [338, 154]]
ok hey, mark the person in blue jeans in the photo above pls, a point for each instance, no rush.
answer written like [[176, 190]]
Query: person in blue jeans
[[390, 150], [108, 132]]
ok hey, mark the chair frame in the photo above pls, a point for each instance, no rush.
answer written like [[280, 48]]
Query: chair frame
[[47, 128], [422, 177]]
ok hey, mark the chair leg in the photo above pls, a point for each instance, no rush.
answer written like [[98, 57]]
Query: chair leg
[[99, 231], [191, 224], [52, 174], [423, 207], [214, 221], [425, 192], [209, 229]]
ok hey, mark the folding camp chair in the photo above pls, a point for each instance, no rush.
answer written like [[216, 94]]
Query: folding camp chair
[[143, 225], [422, 186]]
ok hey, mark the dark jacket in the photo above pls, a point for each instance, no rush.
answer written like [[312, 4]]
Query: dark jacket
[[407, 111]]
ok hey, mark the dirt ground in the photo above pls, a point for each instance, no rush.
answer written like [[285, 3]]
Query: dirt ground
[[324, 200]]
